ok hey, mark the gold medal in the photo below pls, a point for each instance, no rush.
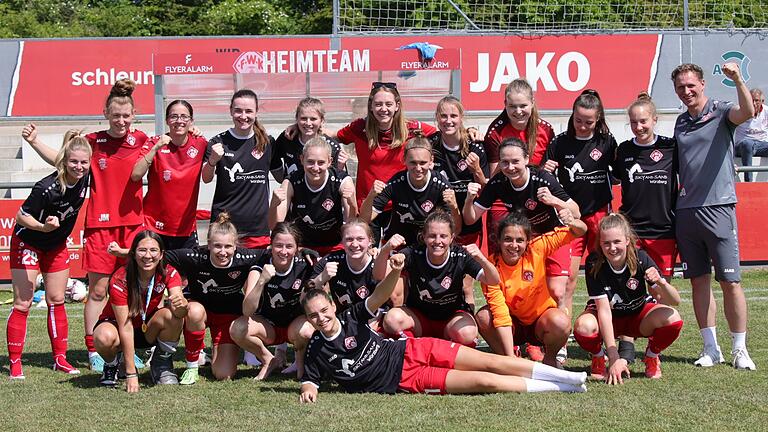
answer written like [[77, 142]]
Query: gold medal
[[144, 327]]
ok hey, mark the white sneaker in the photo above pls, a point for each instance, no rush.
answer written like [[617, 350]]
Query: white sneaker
[[741, 360], [203, 359], [710, 356], [250, 359], [562, 355]]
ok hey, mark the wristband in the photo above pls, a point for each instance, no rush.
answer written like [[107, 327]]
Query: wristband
[[131, 375]]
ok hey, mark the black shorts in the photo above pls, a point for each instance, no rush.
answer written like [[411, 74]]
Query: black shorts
[[173, 242], [139, 338]]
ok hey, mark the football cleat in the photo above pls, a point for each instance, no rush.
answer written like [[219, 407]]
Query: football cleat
[[534, 353], [741, 360], [61, 364], [652, 367], [598, 367], [709, 356], [16, 371]]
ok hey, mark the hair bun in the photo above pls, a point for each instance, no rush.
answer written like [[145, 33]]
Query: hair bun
[[223, 217], [123, 87]]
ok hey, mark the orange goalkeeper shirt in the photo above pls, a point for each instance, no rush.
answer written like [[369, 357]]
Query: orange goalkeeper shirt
[[523, 291]]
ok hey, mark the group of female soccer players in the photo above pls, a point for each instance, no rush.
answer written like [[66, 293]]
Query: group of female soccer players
[[370, 280]]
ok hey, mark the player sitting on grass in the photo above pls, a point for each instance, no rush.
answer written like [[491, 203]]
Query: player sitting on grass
[[360, 360]]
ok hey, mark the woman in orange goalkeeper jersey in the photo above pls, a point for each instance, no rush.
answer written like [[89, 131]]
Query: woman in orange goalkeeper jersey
[[521, 308]]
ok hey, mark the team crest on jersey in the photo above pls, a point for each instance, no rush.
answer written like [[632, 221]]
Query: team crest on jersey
[[256, 153], [527, 275], [595, 154], [530, 204], [362, 292], [427, 206], [633, 283], [350, 343], [296, 284], [192, 152], [462, 165], [131, 140], [656, 155], [234, 274], [102, 164], [167, 175], [159, 287], [446, 283], [327, 204]]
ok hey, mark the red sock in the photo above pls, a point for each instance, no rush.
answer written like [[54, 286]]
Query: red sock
[[193, 343], [58, 329], [592, 343], [89, 343], [16, 333], [663, 337]]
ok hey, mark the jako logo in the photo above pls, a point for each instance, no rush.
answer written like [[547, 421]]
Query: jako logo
[[736, 57]]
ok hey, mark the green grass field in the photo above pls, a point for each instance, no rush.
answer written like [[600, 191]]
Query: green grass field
[[686, 398]]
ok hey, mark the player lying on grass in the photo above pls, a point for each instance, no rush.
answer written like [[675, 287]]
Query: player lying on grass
[[360, 360], [624, 285]]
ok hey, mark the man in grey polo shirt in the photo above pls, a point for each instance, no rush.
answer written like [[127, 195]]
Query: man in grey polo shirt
[[706, 214]]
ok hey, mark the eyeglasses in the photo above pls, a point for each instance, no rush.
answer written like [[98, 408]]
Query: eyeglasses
[[389, 85], [177, 117], [153, 252]]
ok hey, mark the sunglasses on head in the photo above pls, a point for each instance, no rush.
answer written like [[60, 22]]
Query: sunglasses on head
[[389, 85]]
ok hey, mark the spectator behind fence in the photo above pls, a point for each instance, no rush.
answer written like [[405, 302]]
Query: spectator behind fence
[[751, 137]]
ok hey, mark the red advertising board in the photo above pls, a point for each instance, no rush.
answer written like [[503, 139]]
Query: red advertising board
[[8, 210], [73, 77]]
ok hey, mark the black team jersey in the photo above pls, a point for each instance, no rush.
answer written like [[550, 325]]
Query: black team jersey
[[438, 292], [649, 185], [279, 301], [289, 151], [543, 217], [318, 213], [453, 166], [242, 182], [627, 293], [357, 358], [347, 287], [46, 200], [410, 206], [583, 169], [218, 289]]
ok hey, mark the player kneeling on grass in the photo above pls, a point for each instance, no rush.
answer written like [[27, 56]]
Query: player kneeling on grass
[[271, 307], [621, 303], [521, 308], [134, 319], [360, 360]]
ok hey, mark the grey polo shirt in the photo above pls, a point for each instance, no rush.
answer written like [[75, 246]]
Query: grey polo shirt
[[705, 152]]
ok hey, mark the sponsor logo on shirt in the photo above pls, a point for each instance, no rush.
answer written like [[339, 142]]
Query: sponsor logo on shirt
[[633, 283], [102, 164], [446, 283], [327, 204], [192, 152], [362, 292], [234, 274], [656, 155], [595, 154], [100, 140], [427, 205], [527, 275], [350, 343], [530, 204], [159, 225], [167, 175]]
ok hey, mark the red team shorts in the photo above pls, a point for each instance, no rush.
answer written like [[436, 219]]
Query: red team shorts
[[281, 335], [626, 325], [254, 242], [434, 328], [662, 251], [522, 333], [426, 364], [219, 324], [96, 259], [559, 263], [587, 241], [24, 256]]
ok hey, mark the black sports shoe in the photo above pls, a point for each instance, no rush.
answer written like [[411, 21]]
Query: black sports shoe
[[109, 375]]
